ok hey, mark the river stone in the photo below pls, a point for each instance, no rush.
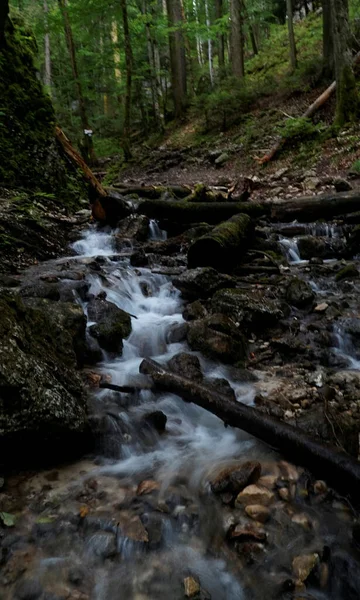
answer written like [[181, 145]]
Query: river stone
[[320, 247], [112, 324], [299, 293], [201, 282], [41, 395], [254, 312], [134, 227], [258, 512], [217, 337], [191, 587], [186, 365], [233, 479], [194, 311], [303, 566], [255, 494]]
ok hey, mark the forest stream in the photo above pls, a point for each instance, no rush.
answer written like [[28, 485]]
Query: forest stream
[[158, 511]]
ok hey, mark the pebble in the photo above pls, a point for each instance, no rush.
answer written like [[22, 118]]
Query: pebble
[[258, 512], [191, 587], [255, 494], [321, 307], [303, 565]]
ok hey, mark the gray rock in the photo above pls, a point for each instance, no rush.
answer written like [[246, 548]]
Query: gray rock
[[41, 395], [112, 324], [202, 282], [186, 365], [254, 312], [299, 293], [342, 185], [194, 311], [133, 227], [222, 159], [28, 589], [217, 337]]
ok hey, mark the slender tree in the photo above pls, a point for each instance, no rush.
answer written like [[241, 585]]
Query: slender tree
[[47, 52], [177, 57], [4, 11], [328, 45], [237, 39], [129, 68], [221, 38], [87, 145], [293, 56], [210, 52], [347, 101]]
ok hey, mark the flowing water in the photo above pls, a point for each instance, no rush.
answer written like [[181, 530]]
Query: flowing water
[[114, 556]]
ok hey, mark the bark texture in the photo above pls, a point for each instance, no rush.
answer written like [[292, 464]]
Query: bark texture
[[347, 102], [340, 469], [237, 39], [221, 37], [128, 64], [177, 57], [328, 46], [289, 10]]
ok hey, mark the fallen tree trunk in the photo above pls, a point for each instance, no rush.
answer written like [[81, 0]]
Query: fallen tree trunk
[[224, 243], [154, 192], [310, 111], [123, 389], [339, 469], [200, 212], [305, 209]]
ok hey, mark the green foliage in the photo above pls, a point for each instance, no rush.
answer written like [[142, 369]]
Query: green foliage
[[356, 166], [298, 128], [224, 106]]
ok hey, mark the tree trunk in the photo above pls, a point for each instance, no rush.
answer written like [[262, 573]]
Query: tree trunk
[[340, 469], [47, 74], [87, 146], [116, 51], [347, 102], [129, 66], [237, 39], [209, 42], [293, 59], [155, 89], [4, 11], [219, 246], [177, 57], [328, 46], [221, 37], [253, 40]]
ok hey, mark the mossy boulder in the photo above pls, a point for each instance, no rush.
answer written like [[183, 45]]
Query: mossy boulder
[[254, 312], [217, 337], [42, 403], [348, 272], [112, 324], [299, 293], [202, 282]]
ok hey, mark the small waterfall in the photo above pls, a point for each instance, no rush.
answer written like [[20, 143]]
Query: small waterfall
[[291, 250], [155, 232], [344, 347]]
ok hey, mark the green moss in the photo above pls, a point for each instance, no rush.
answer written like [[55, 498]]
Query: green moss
[[347, 105], [348, 272], [29, 155]]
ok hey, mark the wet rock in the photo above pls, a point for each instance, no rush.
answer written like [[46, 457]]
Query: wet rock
[[102, 544], [139, 259], [153, 523], [194, 311], [217, 337], [147, 487], [176, 333], [28, 589], [348, 272], [112, 324], [222, 386], [247, 533], [255, 494], [258, 512], [320, 247], [191, 587], [342, 185], [302, 519], [186, 365], [303, 565], [42, 400], [156, 420], [299, 293], [134, 227], [320, 487], [40, 289], [254, 312], [202, 282], [235, 478], [131, 527], [70, 320], [320, 308], [76, 575]]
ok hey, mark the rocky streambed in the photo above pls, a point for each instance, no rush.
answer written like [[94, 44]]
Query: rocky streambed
[[169, 503]]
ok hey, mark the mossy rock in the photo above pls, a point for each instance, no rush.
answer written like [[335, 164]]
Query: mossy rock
[[112, 324], [348, 272]]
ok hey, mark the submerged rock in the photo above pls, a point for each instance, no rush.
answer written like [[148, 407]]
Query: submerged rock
[[186, 365], [112, 324], [233, 479], [41, 395], [255, 494]]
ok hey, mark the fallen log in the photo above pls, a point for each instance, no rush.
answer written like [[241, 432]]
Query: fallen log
[[200, 212], [222, 244], [305, 209], [154, 192], [310, 111], [123, 389], [339, 469]]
